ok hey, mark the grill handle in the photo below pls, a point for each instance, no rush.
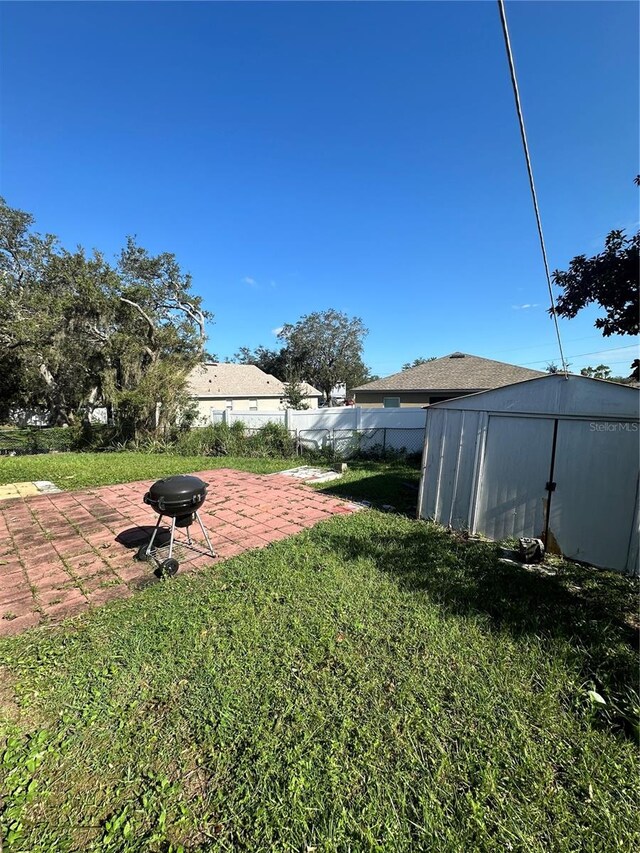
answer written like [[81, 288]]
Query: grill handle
[[152, 502]]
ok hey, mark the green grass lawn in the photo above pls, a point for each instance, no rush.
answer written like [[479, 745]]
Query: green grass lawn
[[78, 470], [373, 684], [382, 484], [394, 483]]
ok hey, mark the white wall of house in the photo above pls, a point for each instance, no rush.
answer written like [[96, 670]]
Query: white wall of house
[[244, 405]]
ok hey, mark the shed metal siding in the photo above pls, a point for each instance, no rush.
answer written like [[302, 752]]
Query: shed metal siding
[[593, 507], [456, 435], [487, 458], [516, 465]]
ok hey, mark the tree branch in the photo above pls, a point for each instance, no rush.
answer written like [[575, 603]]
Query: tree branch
[[142, 312], [196, 315], [98, 333]]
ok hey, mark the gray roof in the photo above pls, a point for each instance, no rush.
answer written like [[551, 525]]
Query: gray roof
[[238, 380], [458, 371]]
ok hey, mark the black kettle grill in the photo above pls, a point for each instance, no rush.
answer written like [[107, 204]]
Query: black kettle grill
[[179, 499]]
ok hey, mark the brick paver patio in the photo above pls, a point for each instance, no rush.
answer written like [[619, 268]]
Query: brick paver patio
[[63, 553]]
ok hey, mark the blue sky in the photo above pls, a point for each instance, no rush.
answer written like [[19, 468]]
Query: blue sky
[[358, 156]]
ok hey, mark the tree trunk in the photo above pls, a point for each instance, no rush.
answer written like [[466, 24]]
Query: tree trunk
[[59, 411], [88, 407]]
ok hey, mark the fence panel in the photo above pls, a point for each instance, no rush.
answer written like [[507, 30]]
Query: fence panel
[[312, 440], [407, 442], [380, 443], [337, 418], [255, 420]]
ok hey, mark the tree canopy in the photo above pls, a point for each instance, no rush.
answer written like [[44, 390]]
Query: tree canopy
[[76, 331], [273, 361], [610, 279], [417, 362], [325, 349], [603, 371]]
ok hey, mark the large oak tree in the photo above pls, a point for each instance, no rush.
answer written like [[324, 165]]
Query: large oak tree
[[76, 331]]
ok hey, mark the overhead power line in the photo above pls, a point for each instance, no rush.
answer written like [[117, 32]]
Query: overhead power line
[[581, 354], [525, 145], [545, 344]]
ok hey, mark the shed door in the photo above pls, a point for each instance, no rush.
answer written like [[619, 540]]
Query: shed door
[[593, 506], [516, 468]]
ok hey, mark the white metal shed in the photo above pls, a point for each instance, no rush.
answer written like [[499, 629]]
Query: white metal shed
[[553, 457]]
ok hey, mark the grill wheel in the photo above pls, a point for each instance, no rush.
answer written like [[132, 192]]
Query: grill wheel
[[168, 568], [142, 554]]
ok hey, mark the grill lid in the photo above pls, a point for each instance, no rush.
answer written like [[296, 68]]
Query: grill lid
[[182, 490]]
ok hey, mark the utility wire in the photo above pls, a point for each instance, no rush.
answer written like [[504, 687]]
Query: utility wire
[[581, 354], [516, 94]]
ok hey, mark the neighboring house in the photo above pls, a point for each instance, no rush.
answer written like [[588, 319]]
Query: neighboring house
[[441, 379], [240, 388]]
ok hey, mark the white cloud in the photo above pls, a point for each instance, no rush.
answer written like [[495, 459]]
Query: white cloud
[[248, 280], [525, 306], [276, 331]]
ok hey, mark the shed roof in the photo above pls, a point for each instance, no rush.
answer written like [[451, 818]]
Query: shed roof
[[554, 394], [238, 380], [458, 371]]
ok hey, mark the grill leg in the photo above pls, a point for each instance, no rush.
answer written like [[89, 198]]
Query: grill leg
[[205, 534], [173, 531], [153, 536]]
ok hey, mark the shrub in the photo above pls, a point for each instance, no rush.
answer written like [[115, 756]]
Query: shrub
[[271, 440], [215, 440]]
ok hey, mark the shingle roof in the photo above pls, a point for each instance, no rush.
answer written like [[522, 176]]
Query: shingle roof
[[238, 380], [455, 372]]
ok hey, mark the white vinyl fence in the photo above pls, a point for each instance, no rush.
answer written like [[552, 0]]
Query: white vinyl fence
[[346, 431]]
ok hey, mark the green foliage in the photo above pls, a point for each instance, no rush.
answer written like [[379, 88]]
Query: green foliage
[[97, 437], [326, 349], [294, 394], [76, 332], [552, 367], [271, 440], [213, 440], [275, 362], [603, 371], [610, 280], [417, 362]]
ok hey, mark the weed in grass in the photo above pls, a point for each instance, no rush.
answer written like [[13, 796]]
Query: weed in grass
[[105, 584]]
